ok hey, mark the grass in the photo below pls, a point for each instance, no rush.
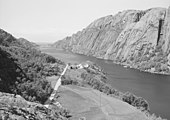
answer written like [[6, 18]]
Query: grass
[[86, 102]]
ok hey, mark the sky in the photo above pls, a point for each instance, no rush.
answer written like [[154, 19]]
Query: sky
[[51, 20]]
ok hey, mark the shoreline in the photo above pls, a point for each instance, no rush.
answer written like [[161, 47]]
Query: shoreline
[[112, 62], [125, 65], [148, 112], [146, 71]]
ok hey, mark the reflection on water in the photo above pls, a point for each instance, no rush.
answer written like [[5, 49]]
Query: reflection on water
[[154, 88]]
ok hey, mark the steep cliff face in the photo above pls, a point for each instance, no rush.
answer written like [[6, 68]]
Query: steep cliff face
[[133, 37], [166, 31]]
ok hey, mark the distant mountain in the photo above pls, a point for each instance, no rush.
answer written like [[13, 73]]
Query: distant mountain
[[6, 39], [136, 38], [26, 43]]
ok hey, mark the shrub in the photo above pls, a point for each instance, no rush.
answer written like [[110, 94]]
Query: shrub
[[135, 101]]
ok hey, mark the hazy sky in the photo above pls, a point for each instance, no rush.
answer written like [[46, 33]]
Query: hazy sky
[[52, 20]]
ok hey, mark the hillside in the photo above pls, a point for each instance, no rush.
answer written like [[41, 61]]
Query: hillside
[[17, 108], [25, 88], [23, 84], [23, 68], [26, 43], [136, 38], [85, 92]]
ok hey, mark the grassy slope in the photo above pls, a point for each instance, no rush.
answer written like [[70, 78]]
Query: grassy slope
[[85, 102]]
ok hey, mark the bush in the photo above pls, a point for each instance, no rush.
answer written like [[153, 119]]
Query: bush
[[98, 82], [135, 101], [68, 81]]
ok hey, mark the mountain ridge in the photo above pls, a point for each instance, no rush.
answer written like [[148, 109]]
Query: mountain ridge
[[24, 87], [136, 38]]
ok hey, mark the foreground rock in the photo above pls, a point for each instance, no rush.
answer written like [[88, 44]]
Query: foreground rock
[[139, 39], [17, 108]]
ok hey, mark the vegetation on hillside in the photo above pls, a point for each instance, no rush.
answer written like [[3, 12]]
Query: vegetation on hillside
[[94, 77], [17, 108], [150, 59], [23, 69]]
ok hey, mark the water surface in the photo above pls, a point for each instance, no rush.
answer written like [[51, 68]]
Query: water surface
[[154, 88]]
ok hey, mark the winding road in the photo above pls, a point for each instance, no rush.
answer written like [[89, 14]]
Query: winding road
[[58, 83]]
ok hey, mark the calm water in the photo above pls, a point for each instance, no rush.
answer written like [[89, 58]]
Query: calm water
[[154, 88]]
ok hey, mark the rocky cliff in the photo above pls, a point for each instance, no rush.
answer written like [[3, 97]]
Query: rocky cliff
[[137, 38]]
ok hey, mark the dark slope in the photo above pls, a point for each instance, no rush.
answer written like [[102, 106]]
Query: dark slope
[[23, 68]]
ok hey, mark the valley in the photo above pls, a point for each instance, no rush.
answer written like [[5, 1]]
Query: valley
[[146, 85], [117, 67]]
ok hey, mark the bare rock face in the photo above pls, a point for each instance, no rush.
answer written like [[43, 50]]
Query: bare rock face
[[166, 32], [136, 38]]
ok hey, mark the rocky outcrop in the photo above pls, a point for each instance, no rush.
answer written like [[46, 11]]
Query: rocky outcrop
[[166, 31], [17, 108], [131, 37]]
